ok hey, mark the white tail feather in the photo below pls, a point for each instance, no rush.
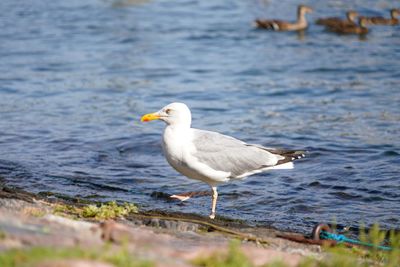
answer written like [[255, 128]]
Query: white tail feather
[[287, 165]]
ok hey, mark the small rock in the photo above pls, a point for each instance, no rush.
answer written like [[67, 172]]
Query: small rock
[[115, 232]]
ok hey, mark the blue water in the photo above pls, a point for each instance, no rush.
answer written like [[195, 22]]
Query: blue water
[[75, 77]]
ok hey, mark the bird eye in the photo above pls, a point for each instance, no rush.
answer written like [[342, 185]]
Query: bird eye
[[168, 111]]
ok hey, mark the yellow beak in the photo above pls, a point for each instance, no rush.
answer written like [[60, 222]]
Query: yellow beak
[[150, 117]]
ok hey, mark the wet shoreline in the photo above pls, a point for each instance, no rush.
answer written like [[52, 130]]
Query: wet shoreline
[[22, 211]]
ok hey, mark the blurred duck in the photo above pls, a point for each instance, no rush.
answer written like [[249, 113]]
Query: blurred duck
[[393, 20], [332, 21], [279, 25], [351, 29]]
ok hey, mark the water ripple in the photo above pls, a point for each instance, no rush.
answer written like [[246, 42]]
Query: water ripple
[[76, 77]]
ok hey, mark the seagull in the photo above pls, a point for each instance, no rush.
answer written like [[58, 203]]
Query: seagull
[[212, 157]]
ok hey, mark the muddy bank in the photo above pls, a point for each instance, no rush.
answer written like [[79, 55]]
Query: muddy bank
[[164, 239]]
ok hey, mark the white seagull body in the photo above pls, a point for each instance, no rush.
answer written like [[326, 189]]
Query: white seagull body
[[212, 157]]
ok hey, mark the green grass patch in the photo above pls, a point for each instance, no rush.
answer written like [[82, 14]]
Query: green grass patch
[[359, 256], [2, 235], [233, 258], [339, 256], [105, 211], [31, 257], [36, 212]]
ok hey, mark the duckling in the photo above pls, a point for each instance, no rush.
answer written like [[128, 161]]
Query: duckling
[[332, 21], [351, 29], [393, 20], [279, 25]]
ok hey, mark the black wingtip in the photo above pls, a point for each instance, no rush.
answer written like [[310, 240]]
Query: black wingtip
[[291, 155]]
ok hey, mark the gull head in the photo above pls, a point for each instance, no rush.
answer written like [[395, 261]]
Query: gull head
[[172, 114]]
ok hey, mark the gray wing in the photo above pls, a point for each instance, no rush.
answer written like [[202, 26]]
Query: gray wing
[[225, 153]]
